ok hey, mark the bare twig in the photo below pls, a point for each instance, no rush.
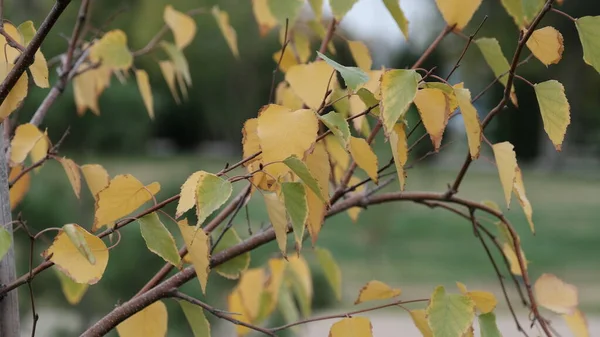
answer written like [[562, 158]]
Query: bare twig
[[286, 41]]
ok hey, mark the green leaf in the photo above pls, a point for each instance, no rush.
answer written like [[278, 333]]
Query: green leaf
[[522, 11], [5, 241], [288, 9], [555, 110], [340, 7], [195, 317], [487, 325], [288, 308], [27, 31], [393, 6], [300, 169], [353, 76], [588, 28], [331, 269], [158, 238], [233, 268], [449, 315], [398, 90], [178, 59], [369, 99], [212, 193], [338, 126], [294, 197], [492, 53]]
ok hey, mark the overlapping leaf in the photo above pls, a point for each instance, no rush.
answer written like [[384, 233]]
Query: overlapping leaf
[[145, 90], [353, 76], [263, 16], [25, 138], [158, 238], [16, 94], [506, 160], [376, 290], [195, 317], [318, 162], [112, 51], [309, 82], [72, 290], [278, 217], [331, 269], [360, 54], [399, 152], [554, 294], [96, 178], [233, 268], [198, 245], [294, 197], [398, 90]]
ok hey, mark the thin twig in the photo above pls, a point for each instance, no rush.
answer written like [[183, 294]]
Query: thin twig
[[242, 201], [464, 51], [286, 41], [563, 14]]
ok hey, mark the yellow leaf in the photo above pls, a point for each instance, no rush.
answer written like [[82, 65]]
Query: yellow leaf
[[96, 178], [198, 245], [250, 141], [555, 110], [519, 190], [70, 261], [577, 324], [168, 70], [72, 171], [434, 107], [149, 322], [283, 133], [277, 215], [356, 326], [20, 188], [235, 305], [461, 287], [338, 155], [270, 295], [16, 94], [471, 120], [458, 12], [287, 61], [189, 191], [40, 150], [399, 152], [263, 16], [510, 254], [339, 8], [182, 26], [112, 51], [506, 160], [86, 91], [286, 97], [317, 7], [145, 90], [469, 333], [364, 157], [309, 82], [317, 163], [228, 32], [73, 291], [554, 294], [419, 317], [360, 54], [10, 54], [301, 272], [376, 290], [250, 288], [332, 271], [547, 45], [484, 301], [123, 195], [25, 138], [302, 46], [39, 70]]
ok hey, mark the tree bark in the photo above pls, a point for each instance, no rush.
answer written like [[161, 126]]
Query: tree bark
[[9, 305]]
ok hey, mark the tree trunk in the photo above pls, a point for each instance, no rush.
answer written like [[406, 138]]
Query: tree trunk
[[9, 305]]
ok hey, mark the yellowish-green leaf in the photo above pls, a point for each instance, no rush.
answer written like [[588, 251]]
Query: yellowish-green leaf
[[356, 326], [112, 51], [519, 190], [494, 57], [515, 9], [179, 61], [299, 276], [228, 32], [364, 157], [376, 290], [310, 82], [434, 107], [73, 291], [283, 10], [458, 13], [546, 44], [283, 133], [338, 126], [555, 110], [317, 162], [182, 26], [5, 241], [78, 240], [288, 308], [471, 120], [294, 198], [19, 189], [393, 6], [509, 253], [449, 315], [96, 178], [399, 152], [233, 268], [16, 94], [353, 77], [341, 7], [198, 245], [207, 191], [331, 269], [27, 30], [25, 138], [419, 317], [234, 304], [588, 27], [487, 325], [360, 54], [149, 322], [67, 257], [554, 294], [263, 16], [40, 150], [123, 195], [398, 90], [168, 70], [277, 215], [577, 324], [145, 90], [368, 98], [531, 8], [506, 160], [72, 171], [158, 238], [196, 319]]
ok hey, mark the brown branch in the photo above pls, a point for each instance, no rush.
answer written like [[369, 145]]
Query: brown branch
[[557, 11], [464, 51], [433, 46], [11, 42], [328, 37]]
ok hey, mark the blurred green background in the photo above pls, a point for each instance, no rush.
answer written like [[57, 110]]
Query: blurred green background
[[405, 244]]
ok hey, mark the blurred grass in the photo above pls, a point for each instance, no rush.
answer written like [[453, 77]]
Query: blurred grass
[[405, 244]]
